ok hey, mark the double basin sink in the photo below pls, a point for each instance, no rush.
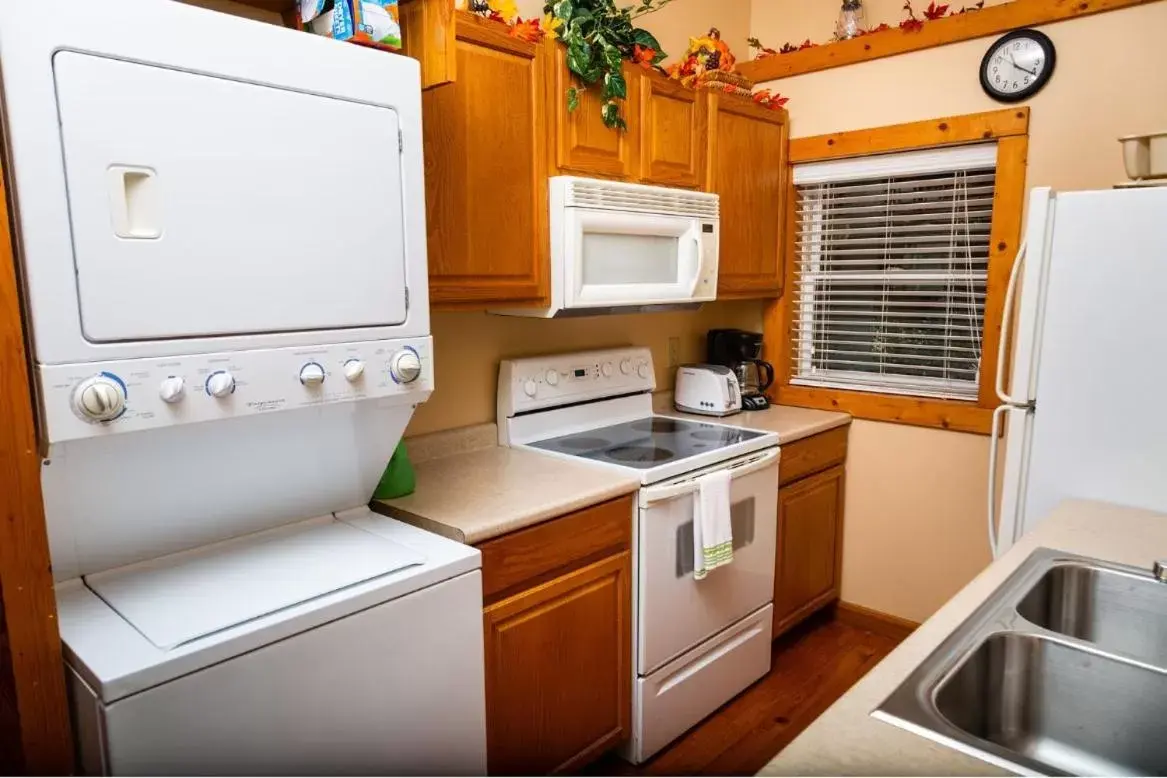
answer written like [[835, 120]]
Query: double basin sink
[[1062, 671]]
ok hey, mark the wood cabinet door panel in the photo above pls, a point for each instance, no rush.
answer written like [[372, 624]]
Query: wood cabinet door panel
[[747, 168], [810, 524], [583, 145], [558, 674], [672, 133], [486, 174]]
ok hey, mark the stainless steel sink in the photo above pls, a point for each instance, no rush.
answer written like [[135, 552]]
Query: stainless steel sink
[[1063, 670]]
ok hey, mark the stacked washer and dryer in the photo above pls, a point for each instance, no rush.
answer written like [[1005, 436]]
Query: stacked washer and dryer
[[220, 228]]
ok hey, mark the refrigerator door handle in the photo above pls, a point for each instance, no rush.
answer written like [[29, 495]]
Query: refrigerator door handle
[[995, 436], [1003, 342]]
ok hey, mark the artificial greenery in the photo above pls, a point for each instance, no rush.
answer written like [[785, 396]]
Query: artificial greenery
[[599, 36]]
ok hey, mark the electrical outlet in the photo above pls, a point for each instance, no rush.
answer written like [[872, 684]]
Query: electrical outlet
[[674, 352]]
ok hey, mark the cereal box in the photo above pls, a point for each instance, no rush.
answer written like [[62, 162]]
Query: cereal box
[[369, 22]]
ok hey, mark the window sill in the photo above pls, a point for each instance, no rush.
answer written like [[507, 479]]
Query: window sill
[[897, 409]]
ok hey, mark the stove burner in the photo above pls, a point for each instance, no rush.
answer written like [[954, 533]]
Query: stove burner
[[657, 425], [640, 454], [581, 444]]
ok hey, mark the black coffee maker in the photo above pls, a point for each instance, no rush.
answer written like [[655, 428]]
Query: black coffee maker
[[740, 351]]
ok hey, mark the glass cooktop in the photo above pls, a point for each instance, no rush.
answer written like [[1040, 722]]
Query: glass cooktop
[[647, 442]]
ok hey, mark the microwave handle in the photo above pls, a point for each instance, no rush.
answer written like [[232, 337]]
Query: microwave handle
[[655, 494], [698, 270]]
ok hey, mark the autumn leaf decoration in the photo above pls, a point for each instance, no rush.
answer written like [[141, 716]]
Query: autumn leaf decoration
[[768, 99], [911, 24], [530, 30], [763, 52]]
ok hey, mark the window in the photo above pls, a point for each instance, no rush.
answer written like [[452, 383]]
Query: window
[[893, 257], [900, 241]]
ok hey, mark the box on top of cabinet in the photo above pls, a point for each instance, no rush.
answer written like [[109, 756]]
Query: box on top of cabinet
[[368, 22]]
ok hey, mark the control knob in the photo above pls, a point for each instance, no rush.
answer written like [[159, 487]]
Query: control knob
[[312, 374], [220, 384], [642, 370], [405, 366], [625, 366], [606, 369], [172, 389], [530, 388], [99, 398], [354, 369], [552, 377]]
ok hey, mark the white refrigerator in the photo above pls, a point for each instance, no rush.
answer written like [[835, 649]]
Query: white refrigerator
[[1085, 410]]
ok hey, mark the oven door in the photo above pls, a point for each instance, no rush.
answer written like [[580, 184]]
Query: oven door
[[674, 611], [613, 258]]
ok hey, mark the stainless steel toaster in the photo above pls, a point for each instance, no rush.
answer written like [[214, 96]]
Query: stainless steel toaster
[[711, 390]]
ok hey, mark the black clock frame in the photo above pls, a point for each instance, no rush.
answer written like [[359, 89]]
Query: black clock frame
[[1048, 51]]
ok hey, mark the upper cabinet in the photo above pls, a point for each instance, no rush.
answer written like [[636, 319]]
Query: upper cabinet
[[486, 172], [672, 126], [747, 168], [582, 145]]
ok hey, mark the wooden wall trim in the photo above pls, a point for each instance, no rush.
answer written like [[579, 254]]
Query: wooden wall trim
[[886, 624], [940, 32], [26, 579], [946, 131]]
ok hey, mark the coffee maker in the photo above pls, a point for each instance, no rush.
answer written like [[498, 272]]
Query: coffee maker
[[740, 351]]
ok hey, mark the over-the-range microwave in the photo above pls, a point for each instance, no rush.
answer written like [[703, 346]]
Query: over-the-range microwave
[[618, 247]]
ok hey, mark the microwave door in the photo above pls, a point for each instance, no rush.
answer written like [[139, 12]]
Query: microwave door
[[613, 258]]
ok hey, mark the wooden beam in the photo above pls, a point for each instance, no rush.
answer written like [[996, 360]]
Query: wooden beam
[[967, 128], [951, 29], [26, 579]]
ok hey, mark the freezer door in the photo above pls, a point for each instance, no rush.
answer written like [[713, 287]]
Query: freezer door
[[1097, 431]]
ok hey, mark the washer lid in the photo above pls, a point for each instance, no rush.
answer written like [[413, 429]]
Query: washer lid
[[184, 596]]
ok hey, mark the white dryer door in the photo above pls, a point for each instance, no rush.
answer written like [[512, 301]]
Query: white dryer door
[[204, 206]]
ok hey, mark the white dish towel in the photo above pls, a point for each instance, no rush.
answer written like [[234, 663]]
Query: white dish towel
[[712, 530]]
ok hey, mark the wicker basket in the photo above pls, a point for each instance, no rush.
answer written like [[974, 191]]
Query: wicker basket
[[726, 81]]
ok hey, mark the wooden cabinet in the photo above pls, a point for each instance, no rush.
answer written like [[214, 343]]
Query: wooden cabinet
[[558, 640], [486, 173], [808, 561], [747, 168], [582, 145], [672, 128]]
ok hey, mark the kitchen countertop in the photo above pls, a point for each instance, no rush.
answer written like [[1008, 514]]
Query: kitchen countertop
[[789, 422], [847, 741], [472, 496]]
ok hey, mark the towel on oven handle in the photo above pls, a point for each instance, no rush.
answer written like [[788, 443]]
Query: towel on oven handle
[[712, 524]]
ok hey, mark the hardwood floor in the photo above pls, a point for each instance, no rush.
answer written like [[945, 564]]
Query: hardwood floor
[[813, 665]]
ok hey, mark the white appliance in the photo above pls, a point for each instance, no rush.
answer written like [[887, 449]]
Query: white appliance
[[618, 247], [696, 644], [710, 390], [1089, 361], [221, 380]]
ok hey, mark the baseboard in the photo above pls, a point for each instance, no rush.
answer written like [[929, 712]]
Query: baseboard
[[894, 627]]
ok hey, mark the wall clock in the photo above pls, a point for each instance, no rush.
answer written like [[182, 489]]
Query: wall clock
[[1017, 66]]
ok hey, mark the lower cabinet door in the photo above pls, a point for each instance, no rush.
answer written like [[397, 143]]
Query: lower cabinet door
[[558, 674], [810, 543]]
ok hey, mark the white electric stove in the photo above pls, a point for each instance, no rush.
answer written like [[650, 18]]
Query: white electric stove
[[696, 644]]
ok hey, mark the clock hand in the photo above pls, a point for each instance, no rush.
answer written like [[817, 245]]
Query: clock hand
[[1023, 70]]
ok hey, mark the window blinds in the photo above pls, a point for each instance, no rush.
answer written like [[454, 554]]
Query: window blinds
[[893, 254]]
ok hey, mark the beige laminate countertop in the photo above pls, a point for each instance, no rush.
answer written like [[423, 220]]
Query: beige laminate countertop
[[847, 741], [476, 495]]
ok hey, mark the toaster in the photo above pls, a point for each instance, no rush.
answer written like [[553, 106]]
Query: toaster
[[711, 390]]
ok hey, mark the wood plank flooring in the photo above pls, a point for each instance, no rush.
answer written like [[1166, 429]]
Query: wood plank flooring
[[813, 666]]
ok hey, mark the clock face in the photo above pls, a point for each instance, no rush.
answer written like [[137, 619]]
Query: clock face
[[1017, 65]]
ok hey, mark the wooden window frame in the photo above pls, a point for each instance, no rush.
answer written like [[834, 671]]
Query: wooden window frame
[[1010, 129], [993, 20]]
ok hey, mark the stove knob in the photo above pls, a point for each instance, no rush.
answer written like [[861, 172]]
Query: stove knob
[[405, 366], [552, 377], [606, 369], [312, 374], [625, 366], [530, 388], [172, 389], [220, 384], [100, 398], [354, 369], [642, 370]]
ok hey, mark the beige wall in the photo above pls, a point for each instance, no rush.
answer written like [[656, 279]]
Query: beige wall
[[916, 497]]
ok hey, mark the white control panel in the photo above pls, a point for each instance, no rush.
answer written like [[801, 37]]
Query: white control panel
[[538, 383], [103, 398]]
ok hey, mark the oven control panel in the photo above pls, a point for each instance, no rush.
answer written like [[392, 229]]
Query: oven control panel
[[537, 383], [102, 398]]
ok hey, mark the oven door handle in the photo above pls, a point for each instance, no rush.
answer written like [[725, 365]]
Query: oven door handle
[[656, 494]]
